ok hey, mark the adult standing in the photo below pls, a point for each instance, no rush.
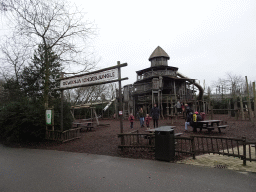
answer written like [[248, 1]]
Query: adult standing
[[178, 105], [188, 118], [141, 116], [155, 112]]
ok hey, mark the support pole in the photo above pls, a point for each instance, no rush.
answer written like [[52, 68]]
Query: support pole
[[244, 150], [254, 98], [61, 107], [175, 97], [242, 107], [248, 100], [120, 100], [229, 107]]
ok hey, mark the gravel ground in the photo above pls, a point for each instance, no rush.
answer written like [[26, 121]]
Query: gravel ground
[[104, 141]]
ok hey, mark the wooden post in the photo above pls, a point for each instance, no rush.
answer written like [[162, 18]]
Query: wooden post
[[162, 109], [229, 107], [167, 107], [211, 112], [61, 109], [235, 106], [209, 100], [152, 98], [193, 146], [175, 97], [116, 110], [171, 110], [193, 96], [120, 101], [53, 118], [254, 98], [158, 99], [241, 107], [248, 100], [244, 150]]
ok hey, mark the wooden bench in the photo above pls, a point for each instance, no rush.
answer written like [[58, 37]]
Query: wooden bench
[[88, 126], [208, 128], [222, 127], [76, 125]]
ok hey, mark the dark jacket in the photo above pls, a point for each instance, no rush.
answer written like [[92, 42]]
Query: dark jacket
[[188, 112], [141, 114], [155, 112], [189, 117]]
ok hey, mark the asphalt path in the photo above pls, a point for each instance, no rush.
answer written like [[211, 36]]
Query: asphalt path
[[46, 170]]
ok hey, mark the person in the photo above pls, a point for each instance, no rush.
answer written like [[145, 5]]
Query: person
[[188, 121], [178, 105], [183, 109], [147, 119], [196, 117], [141, 115], [131, 119], [155, 112], [187, 109], [188, 117]]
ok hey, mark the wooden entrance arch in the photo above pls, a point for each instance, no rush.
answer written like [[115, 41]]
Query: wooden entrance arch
[[102, 76]]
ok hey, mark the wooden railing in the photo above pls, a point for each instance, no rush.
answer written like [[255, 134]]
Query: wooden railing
[[195, 145], [135, 139], [63, 136]]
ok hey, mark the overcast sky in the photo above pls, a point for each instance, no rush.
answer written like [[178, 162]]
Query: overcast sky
[[205, 39]]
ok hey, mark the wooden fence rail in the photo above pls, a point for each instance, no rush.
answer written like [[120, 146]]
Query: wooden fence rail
[[217, 145], [63, 136], [137, 140], [196, 145]]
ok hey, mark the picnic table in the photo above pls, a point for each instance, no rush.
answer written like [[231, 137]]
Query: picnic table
[[165, 127], [76, 125], [85, 125], [209, 125]]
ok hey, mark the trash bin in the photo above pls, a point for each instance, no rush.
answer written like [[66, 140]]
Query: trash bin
[[164, 143]]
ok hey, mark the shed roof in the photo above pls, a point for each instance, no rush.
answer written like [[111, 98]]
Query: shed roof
[[158, 52]]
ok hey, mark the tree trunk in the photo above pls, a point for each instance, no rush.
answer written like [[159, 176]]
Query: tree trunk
[[47, 75]]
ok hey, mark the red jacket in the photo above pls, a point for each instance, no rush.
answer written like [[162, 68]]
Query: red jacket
[[131, 118], [147, 119]]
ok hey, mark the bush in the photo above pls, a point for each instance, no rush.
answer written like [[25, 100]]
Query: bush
[[67, 117], [22, 121]]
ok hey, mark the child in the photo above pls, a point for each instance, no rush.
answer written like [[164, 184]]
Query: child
[[147, 119], [131, 119]]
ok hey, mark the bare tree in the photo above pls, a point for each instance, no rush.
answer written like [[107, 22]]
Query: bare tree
[[233, 84], [91, 94], [14, 58], [56, 24]]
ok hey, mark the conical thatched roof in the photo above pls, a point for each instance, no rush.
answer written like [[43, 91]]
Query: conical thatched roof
[[158, 52]]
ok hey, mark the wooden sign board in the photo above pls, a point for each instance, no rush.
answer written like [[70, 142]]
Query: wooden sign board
[[86, 80]]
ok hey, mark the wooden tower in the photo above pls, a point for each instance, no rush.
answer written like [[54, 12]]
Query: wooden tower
[[160, 84]]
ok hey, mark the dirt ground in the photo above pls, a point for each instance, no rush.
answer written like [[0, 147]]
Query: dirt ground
[[104, 141]]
